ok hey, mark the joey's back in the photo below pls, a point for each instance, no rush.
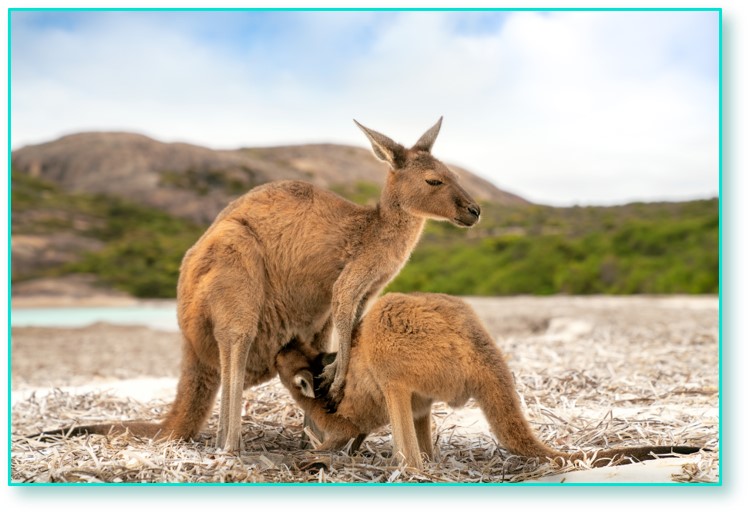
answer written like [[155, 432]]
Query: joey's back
[[426, 338]]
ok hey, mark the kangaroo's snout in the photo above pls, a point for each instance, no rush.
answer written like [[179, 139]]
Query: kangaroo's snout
[[474, 210], [467, 216]]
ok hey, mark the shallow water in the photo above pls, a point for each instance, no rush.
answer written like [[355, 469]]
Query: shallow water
[[155, 316]]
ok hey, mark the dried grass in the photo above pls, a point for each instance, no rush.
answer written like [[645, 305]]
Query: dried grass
[[618, 382]]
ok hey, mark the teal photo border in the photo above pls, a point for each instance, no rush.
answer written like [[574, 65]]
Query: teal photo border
[[364, 484]]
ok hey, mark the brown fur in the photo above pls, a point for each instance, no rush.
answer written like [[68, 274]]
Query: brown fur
[[409, 351], [289, 259]]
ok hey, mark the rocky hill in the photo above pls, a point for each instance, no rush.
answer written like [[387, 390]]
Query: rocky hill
[[195, 182], [97, 212]]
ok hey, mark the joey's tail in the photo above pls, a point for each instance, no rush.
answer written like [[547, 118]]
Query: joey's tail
[[196, 393], [628, 455], [496, 395]]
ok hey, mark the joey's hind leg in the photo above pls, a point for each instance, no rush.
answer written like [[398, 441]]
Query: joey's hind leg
[[404, 437]]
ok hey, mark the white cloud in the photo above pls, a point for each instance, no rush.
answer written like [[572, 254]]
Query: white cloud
[[588, 107]]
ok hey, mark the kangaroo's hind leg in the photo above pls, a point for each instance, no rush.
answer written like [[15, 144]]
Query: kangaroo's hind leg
[[235, 348], [235, 312]]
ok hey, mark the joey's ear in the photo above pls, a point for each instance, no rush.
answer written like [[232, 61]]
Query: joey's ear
[[304, 381], [426, 141], [329, 358], [384, 148]]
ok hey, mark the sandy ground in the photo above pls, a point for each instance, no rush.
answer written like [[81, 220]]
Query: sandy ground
[[592, 371]]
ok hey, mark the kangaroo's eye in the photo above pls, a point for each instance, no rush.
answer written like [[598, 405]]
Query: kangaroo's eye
[[434, 183]]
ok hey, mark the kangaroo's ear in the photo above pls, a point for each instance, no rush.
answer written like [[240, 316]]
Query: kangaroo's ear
[[304, 381], [426, 141], [384, 148]]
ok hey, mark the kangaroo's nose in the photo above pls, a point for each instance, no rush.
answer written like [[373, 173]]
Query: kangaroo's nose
[[474, 209]]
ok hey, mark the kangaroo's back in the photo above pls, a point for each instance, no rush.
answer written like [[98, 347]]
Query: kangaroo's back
[[297, 229]]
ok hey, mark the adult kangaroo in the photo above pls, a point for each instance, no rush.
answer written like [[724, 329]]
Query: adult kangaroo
[[289, 259], [409, 351]]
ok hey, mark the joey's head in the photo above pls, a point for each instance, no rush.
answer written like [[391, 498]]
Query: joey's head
[[420, 184], [299, 367]]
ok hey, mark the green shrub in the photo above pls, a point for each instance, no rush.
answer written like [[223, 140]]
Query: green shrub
[[518, 249], [642, 248]]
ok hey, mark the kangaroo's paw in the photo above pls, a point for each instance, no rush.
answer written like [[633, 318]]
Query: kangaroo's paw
[[334, 396], [326, 379]]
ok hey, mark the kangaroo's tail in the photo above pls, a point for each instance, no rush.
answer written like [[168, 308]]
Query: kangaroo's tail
[[496, 395], [138, 428], [196, 391]]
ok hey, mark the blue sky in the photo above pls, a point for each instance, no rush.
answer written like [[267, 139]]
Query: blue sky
[[560, 107]]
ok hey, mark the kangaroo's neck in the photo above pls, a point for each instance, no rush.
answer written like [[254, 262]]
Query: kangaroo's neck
[[395, 225]]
